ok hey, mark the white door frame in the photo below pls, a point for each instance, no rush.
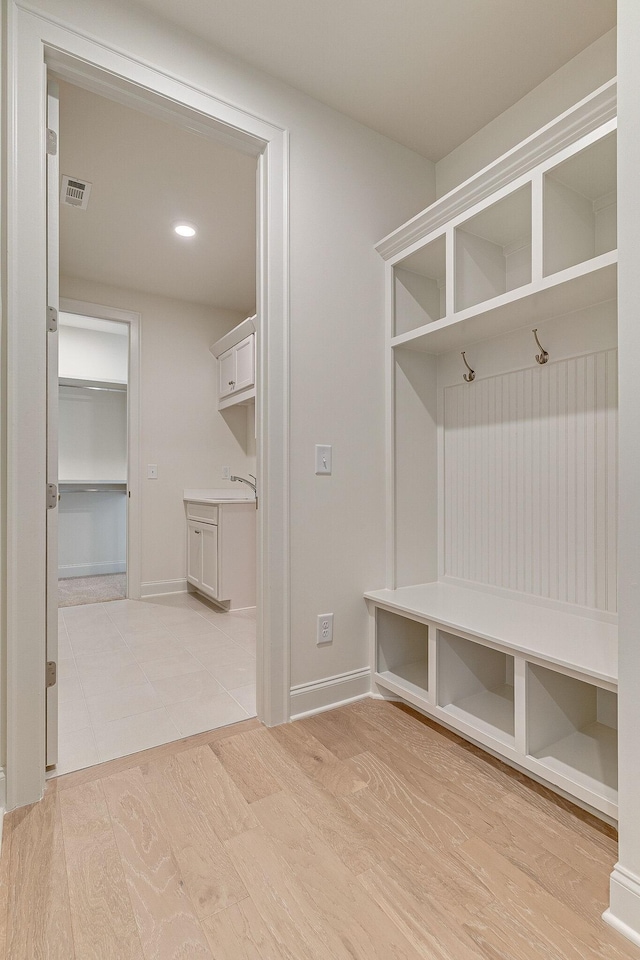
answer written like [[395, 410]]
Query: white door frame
[[34, 41], [132, 319]]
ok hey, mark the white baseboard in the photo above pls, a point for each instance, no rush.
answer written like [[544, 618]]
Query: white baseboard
[[3, 802], [91, 569], [624, 910], [310, 698], [155, 588]]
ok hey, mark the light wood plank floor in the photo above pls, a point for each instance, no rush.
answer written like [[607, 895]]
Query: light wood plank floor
[[367, 832]]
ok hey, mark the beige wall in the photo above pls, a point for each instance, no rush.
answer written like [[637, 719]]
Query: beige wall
[[568, 85], [349, 187], [181, 429]]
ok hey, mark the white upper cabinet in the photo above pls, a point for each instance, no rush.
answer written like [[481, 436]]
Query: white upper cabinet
[[245, 363], [226, 373], [236, 353], [236, 369]]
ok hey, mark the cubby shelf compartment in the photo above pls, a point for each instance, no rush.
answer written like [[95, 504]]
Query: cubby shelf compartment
[[572, 734], [420, 287], [475, 686], [492, 660], [571, 290], [402, 655], [493, 250], [580, 221]]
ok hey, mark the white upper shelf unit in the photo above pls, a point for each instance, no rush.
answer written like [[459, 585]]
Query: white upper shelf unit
[[529, 238]]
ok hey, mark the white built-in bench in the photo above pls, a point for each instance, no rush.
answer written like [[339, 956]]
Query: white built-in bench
[[532, 684]]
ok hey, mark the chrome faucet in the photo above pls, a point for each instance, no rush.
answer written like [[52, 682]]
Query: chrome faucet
[[249, 483]]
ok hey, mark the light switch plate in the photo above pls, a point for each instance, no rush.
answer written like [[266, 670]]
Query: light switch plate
[[152, 471], [323, 459]]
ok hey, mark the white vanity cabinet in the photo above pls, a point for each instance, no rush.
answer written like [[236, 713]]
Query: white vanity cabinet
[[221, 551], [202, 557], [236, 355]]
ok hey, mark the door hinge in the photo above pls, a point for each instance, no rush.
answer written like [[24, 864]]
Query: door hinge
[[52, 320], [52, 673], [52, 496], [52, 142]]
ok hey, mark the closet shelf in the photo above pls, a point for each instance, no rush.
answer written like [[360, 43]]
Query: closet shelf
[[110, 385], [81, 486], [594, 281], [574, 643]]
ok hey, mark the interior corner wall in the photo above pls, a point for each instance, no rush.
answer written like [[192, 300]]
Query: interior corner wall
[[181, 428], [576, 79], [348, 187], [624, 913]]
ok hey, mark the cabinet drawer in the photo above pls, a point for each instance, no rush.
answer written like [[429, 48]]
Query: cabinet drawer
[[205, 512]]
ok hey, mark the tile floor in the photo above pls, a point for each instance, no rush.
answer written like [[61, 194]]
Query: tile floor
[[133, 674]]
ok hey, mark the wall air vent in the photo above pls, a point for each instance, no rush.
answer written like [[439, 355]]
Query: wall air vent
[[75, 192]]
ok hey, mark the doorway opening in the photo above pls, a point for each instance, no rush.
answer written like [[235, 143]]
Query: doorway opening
[[155, 88], [162, 661], [93, 376]]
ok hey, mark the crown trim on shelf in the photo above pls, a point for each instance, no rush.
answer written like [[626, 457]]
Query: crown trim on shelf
[[570, 126]]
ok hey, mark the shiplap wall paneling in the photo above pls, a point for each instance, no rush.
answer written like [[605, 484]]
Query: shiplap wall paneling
[[530, 481], [416, 469]]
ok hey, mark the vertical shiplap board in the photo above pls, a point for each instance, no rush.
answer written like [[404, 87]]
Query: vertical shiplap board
[[530, 481]]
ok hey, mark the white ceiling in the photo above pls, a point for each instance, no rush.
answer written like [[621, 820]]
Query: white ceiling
[[146, 174], [427, 73]]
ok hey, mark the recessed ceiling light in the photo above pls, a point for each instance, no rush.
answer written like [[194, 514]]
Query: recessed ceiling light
[[184, 229]]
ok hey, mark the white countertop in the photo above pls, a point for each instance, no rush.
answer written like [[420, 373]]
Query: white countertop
[[226, 495]]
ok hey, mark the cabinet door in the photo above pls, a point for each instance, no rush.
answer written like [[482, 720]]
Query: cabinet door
[[209, 583], [194, 553], [227, 373], [245, 363]]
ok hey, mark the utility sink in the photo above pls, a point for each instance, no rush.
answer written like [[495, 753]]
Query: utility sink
[[225, 495]]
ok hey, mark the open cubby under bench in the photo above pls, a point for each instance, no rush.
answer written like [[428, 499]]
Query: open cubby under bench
[[532, 684]]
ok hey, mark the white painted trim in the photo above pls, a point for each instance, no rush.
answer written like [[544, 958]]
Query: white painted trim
[[33, 39], [91, 569], [563, 131], [156, 588], [3, 803], [308, 699], [624, 911], [133, 319]]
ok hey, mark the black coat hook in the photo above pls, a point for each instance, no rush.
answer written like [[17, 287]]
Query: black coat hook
[[543, 356], [472, 374]]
